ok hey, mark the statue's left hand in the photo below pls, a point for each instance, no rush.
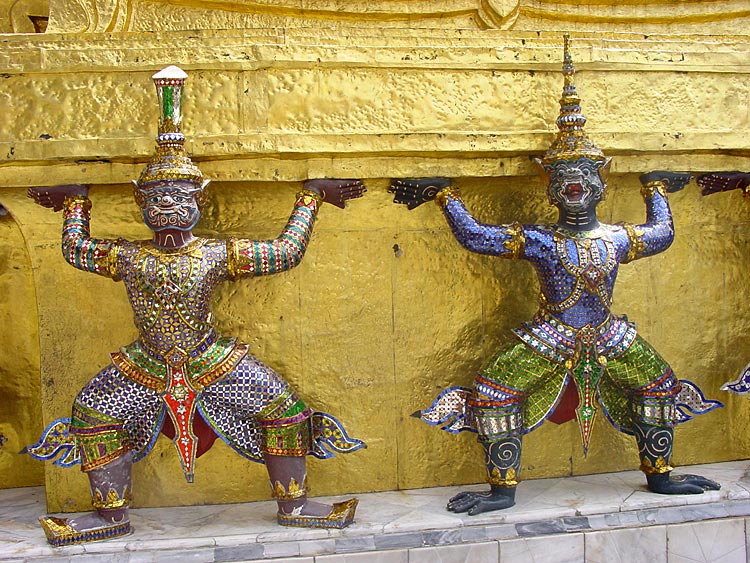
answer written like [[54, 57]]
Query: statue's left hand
[[53, 197], [336, 192], [686, 484], [715, 182], [674, 181]]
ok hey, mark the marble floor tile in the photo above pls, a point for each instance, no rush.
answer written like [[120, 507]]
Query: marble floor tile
[[171, 556], [469, 553], [580, 495], [635, 545], [396, 556], [721, 541], [122, 557], [288, 560], [240, 552], [317, 547], [547, 549], [423, 520]]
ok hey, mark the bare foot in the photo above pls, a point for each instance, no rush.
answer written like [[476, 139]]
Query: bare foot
[[475, 503]]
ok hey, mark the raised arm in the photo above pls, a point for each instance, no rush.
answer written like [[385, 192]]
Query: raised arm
[[507, 241], [247, 258], [79, 249], [657, 233]]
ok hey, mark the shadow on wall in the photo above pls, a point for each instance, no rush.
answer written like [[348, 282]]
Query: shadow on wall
[[20, 379]]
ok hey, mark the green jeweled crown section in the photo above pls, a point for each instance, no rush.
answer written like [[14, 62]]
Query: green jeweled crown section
[[170, 162]]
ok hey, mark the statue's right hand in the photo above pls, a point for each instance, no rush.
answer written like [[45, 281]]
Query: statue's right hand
[[413, 192], [673, 181], [53, 197]]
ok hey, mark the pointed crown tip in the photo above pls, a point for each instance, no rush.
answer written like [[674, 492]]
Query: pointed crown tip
[[571, 141]]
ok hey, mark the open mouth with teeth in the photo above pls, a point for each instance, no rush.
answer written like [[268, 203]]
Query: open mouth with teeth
[[574, 191]]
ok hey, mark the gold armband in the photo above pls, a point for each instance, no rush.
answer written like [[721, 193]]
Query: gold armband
[[442, 196], [500, 480], [71, 201], [112, 500], [110, 263], [308, 196], [648, 189], [635, 237], [658, 467], [517, 242]]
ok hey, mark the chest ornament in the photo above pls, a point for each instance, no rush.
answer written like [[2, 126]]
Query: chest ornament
[[595, 262]]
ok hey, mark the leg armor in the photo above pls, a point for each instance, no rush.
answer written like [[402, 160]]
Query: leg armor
[[103, 447], [503, 461], [654, 448], [498, 414], [285, 425], [654, 417], [100, 438], [287, 439]]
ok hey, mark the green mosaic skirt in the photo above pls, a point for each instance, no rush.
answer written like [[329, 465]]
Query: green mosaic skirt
[[542, 381]]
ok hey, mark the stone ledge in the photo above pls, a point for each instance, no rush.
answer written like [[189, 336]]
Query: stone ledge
[[290, 104], [291, 158], [396, 526], [352, 47]]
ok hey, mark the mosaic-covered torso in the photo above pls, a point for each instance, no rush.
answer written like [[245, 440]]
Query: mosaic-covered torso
[[576, 272], [170, 291]]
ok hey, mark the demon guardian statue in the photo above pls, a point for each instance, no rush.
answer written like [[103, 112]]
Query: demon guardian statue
[[575, 354], [181, 376]]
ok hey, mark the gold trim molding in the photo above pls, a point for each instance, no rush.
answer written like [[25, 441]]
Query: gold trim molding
[[89, 16]]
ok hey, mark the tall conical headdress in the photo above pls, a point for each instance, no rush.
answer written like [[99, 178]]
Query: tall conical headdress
[[571, 142], [170, 162]]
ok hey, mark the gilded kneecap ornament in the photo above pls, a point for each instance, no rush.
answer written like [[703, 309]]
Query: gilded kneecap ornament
[[181, 376], [575, 359]]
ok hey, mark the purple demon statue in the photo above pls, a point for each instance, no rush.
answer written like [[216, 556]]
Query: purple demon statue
[[181, 376]]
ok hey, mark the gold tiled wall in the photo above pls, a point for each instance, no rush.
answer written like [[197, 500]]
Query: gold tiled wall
[[386, 309]]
